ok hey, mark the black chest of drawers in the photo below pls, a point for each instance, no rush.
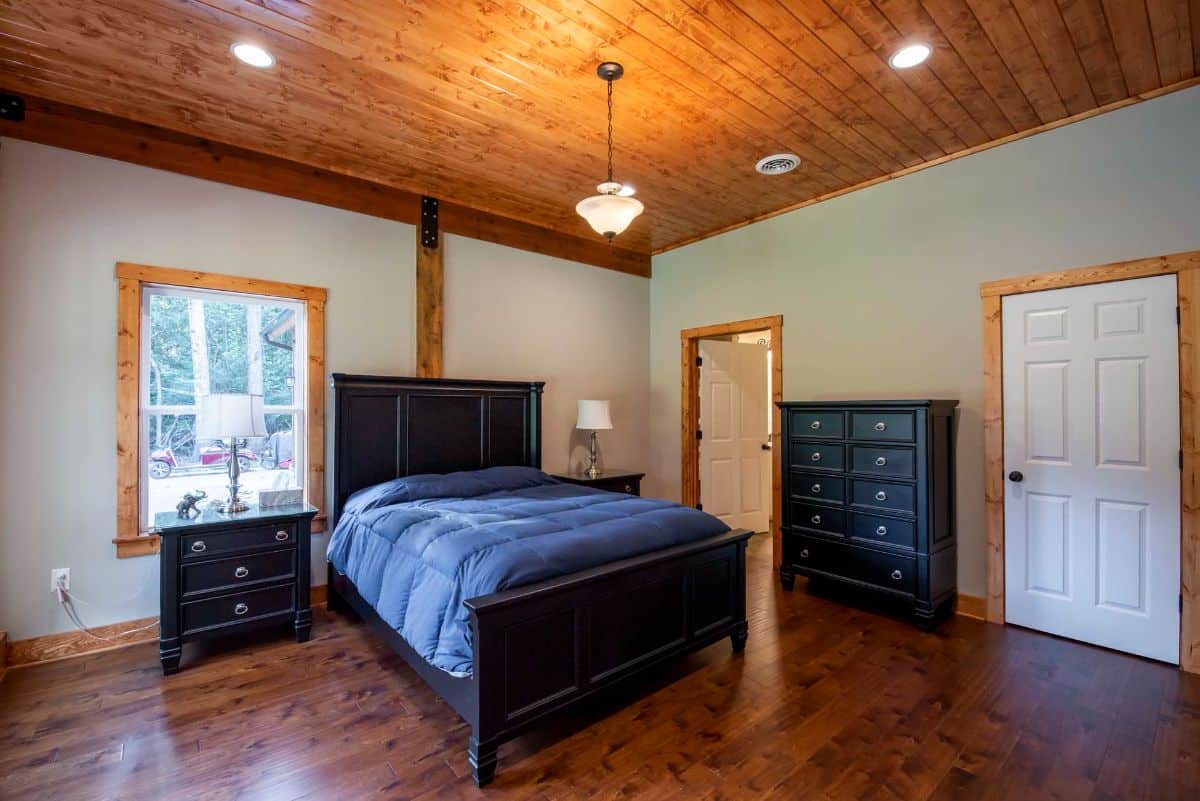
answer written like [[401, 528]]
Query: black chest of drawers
[[226, 574], [869, 499]]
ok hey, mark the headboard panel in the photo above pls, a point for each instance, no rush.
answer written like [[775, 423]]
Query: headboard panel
[[387, 427]]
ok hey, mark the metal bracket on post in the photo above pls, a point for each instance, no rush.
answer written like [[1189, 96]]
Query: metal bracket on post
[[12, 108], [429, 222]]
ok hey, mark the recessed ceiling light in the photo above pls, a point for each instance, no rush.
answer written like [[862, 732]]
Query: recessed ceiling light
[[777, 164], [909, 56], [253, 55]]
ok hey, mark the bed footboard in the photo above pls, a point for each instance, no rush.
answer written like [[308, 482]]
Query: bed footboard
[[541, 648]]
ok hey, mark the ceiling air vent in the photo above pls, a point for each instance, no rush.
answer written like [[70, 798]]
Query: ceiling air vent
[[777, 164]]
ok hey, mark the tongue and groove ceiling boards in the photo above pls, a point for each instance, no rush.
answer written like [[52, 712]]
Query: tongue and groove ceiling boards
[[495, 105]]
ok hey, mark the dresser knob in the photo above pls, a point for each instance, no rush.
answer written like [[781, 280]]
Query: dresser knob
[[816, 519], [816, 489], [804, 554], [880, 461], [881, 531], [629, 488], [199, 547], [281, 536], [881, 496], [897, 575], [241, 572], [814, 425], [241, 609], [816, 457], [880, 426]]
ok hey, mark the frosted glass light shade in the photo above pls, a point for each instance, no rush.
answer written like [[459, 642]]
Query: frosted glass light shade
[[593, 415], [230, 415], [609, 213]]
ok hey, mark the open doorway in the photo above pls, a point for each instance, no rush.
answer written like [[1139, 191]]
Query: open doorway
[[732, 378]]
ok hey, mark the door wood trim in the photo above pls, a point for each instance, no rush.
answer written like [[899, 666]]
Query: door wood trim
[[689, 347], [1187, 268]]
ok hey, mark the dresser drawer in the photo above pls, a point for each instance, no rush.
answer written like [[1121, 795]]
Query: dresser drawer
[[817, 456], [899, 426], [237, 608], [235, 571], [817, 487], [887, 571], [883, 495], [887, 531], [891, 462], [197, 546], [821, 518], [817, 424]]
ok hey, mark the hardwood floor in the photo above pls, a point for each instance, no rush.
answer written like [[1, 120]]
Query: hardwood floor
[[828, 702]]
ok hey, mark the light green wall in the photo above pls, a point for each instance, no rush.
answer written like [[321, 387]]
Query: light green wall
[[880, 288]]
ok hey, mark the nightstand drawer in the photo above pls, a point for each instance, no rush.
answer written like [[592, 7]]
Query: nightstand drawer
[[237, 608], [238, 571], [198, 546]]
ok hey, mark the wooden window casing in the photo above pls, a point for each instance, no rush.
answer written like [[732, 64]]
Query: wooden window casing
[[131, 539]]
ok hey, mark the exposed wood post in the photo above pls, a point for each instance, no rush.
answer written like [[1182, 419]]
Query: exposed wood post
[[430, 285]]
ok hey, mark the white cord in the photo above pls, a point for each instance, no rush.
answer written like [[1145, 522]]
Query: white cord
[[68, 605]]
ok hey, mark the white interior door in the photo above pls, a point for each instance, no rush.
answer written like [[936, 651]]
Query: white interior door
[[735, 470], [1091, 429]]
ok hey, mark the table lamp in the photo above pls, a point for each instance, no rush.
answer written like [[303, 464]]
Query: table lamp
[[593, 416], [231, 416]]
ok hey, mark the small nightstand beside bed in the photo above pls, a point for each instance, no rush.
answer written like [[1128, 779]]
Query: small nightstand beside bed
[[513, 595]]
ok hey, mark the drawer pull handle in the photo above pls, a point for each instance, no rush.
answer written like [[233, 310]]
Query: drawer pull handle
[[880, 461], [897, 575], [241, 609], [241, 572], [816, 489], [881, 496], [816, 519], [804, 554], [881, 531], [281, 536], [816, 457], [199, 547], [814, 425], [880, 426], [629, 488]]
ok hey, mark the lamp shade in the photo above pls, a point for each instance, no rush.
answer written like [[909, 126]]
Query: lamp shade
[[230, 415], [593, 414], [608, 212]]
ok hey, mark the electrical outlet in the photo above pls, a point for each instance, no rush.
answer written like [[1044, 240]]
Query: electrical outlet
[[60, 578]]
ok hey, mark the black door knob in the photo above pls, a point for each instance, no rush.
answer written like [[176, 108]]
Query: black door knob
[[1016, 476]]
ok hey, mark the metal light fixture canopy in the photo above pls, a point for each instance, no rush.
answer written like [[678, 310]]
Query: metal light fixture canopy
[[612, 210]]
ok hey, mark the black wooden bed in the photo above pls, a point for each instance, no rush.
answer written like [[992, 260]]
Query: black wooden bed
[[544, 647]]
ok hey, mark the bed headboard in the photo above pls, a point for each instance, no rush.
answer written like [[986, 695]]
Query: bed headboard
[[387, 427]]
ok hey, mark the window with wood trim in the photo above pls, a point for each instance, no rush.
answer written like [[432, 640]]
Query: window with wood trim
[[185, 335]]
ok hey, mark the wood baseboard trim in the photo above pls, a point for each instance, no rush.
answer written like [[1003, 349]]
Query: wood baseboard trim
[[70, 644], [972, 606]]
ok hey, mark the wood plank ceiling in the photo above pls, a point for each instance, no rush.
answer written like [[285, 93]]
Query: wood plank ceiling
[[495, 104]]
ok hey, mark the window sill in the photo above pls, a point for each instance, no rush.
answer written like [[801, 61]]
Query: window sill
[[142, 545]]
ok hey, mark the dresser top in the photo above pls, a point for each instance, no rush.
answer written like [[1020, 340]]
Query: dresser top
[[867, 404], [167, 521]]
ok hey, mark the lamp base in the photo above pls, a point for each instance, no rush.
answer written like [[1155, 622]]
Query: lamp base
[[233, 506], [593, 472]]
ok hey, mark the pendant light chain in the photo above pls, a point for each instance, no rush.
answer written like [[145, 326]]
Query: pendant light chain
[[610, 132]]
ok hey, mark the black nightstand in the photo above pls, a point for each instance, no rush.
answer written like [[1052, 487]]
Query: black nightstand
[[225, 574], [610, 480]]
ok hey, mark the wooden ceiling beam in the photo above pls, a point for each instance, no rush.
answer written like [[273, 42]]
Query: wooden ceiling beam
[[61, 125]]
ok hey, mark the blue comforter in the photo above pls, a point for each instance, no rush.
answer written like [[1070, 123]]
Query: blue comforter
[[417, 547]]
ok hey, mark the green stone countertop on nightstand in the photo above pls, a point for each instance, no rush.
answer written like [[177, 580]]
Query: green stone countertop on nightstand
[[165, 521]]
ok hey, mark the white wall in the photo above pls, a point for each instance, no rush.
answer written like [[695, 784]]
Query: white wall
[[67, 218], [880, 288]]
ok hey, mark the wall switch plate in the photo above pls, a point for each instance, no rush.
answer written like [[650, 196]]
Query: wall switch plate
[[60, 574]]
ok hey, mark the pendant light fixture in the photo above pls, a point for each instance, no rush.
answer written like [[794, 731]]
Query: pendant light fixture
[[612, 210]]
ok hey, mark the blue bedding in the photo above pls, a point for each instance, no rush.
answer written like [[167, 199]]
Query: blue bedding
[[417, 547]]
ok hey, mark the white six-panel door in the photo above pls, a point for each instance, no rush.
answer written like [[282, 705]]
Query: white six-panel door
[[1091, 429], [735, 471]]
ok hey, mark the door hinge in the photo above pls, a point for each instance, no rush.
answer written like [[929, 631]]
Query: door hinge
[[1181, 602], [699, 361], [1177, 316], [1181, 460], [699, 434], [700, 506]]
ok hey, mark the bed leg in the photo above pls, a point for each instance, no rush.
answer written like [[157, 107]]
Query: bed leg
[[738, 637], [333, 601], [482, 757]]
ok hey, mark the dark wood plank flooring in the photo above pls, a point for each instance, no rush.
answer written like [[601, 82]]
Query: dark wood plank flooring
[[828, 702]]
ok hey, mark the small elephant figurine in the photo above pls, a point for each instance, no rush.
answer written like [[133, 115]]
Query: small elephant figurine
[[188, 504]]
